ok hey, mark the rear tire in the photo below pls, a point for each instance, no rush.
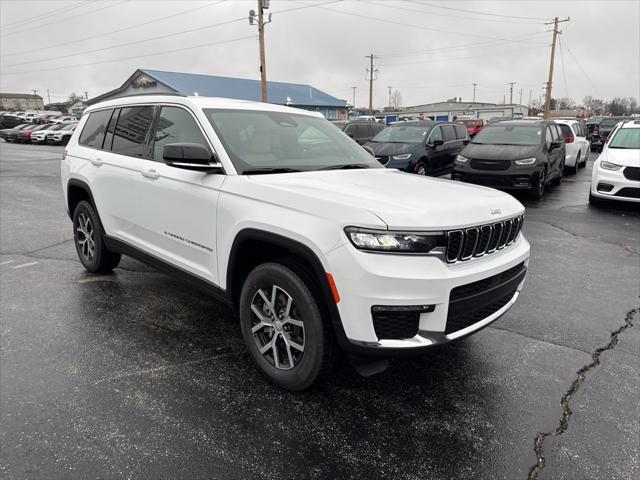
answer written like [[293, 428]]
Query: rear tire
[[88, 238], [283, 329]]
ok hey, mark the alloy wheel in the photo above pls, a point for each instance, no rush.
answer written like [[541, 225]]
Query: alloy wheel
[[542, 182], [421, 170], [86, 236], [277, 328]]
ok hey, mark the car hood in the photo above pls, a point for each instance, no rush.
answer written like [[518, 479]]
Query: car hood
[[628, 157], [384, 197], [499, 152], [390, 149]]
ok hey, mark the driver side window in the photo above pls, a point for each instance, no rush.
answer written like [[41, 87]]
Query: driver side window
[[436, 134], [176, 125]]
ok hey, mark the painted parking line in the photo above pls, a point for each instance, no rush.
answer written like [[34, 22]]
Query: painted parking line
[[8, 261], [23, 265]]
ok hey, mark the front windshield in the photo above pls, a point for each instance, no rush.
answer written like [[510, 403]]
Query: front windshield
[[400, 133], [626, 138], [264, 140], [69, 127], [509, 135]]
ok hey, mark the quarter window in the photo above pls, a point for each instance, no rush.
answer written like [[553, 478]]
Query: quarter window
[[461, 132], [176, 125], [94, 130], [131, 131]]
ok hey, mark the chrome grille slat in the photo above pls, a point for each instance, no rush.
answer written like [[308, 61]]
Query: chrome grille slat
[[482, 239]]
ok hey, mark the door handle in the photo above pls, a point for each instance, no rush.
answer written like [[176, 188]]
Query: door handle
[[97, 162], [152, 174]]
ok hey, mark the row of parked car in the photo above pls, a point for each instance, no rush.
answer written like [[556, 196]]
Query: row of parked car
[[506, 154], [51, 134], [11, 119]]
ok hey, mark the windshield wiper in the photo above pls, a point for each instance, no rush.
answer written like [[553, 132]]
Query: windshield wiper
[[345, 166], [258, 171]]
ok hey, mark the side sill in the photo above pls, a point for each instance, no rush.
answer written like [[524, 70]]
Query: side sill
[[205, 286]]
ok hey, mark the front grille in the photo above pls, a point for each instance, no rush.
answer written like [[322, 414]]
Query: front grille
[[396, 325], [465, 320], [493, 165], [632, 173], [490, 180], [628, 192], [484, 239]]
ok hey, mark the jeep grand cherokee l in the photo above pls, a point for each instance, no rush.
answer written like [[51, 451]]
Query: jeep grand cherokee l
[[280, 214]]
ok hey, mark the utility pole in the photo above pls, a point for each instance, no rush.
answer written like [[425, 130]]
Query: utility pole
[[520, 102], [48, 96], [259, 19], [547, 103], [372, 72], [529, 105], [511, 84], [474, 91], [354, 96], [389, 96], [86, 95]]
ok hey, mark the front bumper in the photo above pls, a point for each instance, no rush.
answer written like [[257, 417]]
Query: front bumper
[[524, 177], [368, 280], [613, 185]]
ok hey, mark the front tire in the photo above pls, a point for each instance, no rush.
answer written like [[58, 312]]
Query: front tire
[[422, 168], [88, 238], [539, 189], [283, 329]]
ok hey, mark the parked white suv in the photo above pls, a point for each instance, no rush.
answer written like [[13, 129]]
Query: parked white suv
[[576, 144], [283, 216], [616, 171]]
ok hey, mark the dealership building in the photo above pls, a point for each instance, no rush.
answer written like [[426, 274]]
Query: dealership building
[[188, 84], [445, 111]]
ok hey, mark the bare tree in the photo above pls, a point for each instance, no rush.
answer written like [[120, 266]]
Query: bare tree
[[396, 100]]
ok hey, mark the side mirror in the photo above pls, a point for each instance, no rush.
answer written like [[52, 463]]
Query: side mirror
[[466, 141], [190, 156], [437, 143], [369, 150]]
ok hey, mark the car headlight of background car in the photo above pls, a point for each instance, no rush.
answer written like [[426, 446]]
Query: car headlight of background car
[[404, 156], [461, 159], [526, 161], [610, 166], [394, 242]]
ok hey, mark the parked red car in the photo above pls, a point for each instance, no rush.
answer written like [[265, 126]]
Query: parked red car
[[474, 125], [24, 136]]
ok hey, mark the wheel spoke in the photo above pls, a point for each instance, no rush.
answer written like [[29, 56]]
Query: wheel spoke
[[276, 358], [287, 309], [293, 321], [260, 315], [265, 299], [274, 292], [289, 354], [269, 345], [295, 345]]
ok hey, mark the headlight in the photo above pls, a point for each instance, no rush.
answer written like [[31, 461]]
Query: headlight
[[610, 166], [461, 159], [404, 156], [395, 242], [526, 161]]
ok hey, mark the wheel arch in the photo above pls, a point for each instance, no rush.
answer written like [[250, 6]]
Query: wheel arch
[[78, 190]]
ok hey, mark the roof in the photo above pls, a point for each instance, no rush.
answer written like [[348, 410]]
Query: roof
[[416, 123], [521, 122], [188, 84], [29, 96], [459, 106], [201, 102]]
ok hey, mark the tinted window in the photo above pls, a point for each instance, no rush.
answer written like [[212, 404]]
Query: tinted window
[[461, 132], [566, 131], [403, 133], [362, 131], [131, 131], [176, 125], [448, 132], [94, 130], [436, 134], [501, 134]]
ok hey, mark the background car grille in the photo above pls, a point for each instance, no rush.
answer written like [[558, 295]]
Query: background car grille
[[628, 192], [490, 164], [632, 173], [477, 241]]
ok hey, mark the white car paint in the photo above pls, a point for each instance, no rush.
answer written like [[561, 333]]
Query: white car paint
[[579, 148], [140, 200], [626, 158]]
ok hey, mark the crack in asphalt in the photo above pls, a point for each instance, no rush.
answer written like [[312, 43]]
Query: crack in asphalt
[[538, 443], [543, 340], [627, 248]]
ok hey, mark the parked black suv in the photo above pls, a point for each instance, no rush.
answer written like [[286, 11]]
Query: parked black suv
[[422, 147], [516, 154], [360, 130], [602, 131]]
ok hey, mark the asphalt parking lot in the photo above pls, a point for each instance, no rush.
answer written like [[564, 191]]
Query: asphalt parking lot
[[134, 375]]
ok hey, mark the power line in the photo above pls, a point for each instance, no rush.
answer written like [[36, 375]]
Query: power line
[[47, 47], [422, 27], [49, 14], [67, 18], [133, 57], [447, 59], [583, 70], [475, 12], [564, 71]]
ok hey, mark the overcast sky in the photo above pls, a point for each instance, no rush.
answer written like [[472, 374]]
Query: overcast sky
[[429, 50]]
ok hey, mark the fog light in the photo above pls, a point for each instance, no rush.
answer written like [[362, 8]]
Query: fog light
[[604, 187]]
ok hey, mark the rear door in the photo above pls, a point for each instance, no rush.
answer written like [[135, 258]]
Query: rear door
[[553, 154], [178, 212]]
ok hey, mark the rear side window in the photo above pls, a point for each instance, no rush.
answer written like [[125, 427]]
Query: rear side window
[[95, 129], [363, 131], [131, 132], [448, 132], [566, 131], [461, 132], [176, 125]]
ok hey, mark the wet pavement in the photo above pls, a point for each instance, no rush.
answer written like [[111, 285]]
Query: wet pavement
[[134, 375]]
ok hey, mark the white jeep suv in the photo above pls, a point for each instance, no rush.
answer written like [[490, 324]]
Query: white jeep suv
[[280, 214]]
